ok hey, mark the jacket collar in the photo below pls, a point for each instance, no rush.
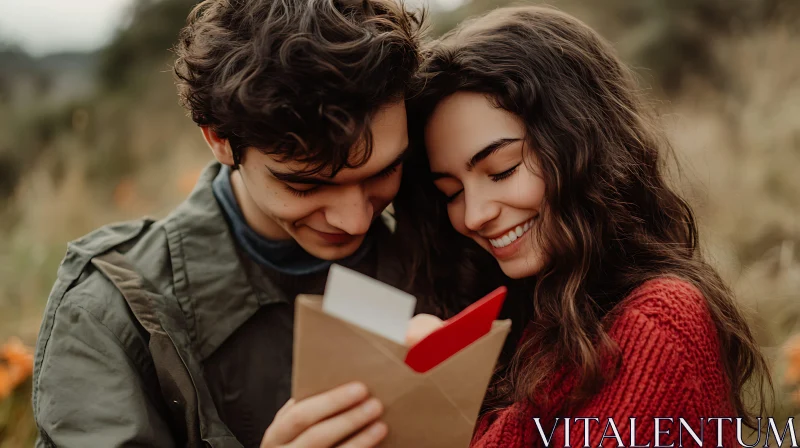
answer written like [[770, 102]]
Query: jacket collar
[[210, 280]]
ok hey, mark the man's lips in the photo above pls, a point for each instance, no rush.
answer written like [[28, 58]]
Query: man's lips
[[335, 238]]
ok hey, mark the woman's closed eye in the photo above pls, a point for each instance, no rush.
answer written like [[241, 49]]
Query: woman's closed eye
[[451, 197], [505, 174], [449, 187]]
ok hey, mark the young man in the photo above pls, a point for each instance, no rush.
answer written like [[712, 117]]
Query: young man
[[179, 332]]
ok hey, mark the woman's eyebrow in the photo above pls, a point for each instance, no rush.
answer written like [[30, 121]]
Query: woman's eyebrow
[[479, 156], [489, 150]]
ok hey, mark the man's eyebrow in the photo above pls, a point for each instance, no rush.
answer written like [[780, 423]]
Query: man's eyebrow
[[294, 178], [397, 161], [489, 150]]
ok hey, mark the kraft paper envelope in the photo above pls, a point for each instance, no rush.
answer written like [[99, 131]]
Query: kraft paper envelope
[[435, 409]]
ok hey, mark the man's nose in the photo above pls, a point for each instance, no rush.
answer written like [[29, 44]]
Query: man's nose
[[352, 211]]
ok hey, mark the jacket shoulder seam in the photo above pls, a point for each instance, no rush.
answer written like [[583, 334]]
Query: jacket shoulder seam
[[102, 324]]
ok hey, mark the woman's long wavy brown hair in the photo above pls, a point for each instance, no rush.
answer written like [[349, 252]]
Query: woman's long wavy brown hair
[[610, 222]]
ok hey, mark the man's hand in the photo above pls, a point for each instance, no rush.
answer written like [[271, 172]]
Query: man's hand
[[344, 417]]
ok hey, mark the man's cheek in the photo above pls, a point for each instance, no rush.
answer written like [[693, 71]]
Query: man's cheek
[[291, 212], [379, 204], [382, 197]]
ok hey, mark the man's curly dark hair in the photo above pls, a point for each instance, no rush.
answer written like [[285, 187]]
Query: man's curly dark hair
[[298, 79]]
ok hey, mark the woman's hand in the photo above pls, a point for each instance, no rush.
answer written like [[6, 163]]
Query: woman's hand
[[420, 326], [344, 417]]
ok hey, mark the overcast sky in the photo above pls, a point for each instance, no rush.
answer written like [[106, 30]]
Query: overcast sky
[[47, 26]]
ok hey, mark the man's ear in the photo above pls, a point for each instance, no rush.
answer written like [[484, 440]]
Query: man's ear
[[219, 146]]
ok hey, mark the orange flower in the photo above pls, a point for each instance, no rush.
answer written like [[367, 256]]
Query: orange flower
[[126, 195], [792, 350], [791, 376], [16, 365], [187, 180]]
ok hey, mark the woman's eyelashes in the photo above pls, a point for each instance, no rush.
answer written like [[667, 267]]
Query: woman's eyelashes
[[505, 174], [450, 198], [494, 177]]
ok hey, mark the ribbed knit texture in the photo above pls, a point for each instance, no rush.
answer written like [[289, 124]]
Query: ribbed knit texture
[[670, 367]]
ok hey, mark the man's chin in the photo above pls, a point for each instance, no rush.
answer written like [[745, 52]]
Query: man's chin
[[333, 252]]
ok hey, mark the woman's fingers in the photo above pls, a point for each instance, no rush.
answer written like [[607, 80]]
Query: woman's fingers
[[368, 437], [421, 326], [298, 417], [330, 432]]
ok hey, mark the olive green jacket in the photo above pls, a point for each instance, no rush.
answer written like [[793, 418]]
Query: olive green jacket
[[95, 383]]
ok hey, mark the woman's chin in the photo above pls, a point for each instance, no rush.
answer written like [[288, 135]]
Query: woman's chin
[[516, 260], [521, 267]]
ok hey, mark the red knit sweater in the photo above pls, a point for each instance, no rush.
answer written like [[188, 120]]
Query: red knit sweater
[[670, 367]]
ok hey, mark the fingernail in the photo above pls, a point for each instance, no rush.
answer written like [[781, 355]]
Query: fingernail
[[372, 407], [377, 429], [356, 390]]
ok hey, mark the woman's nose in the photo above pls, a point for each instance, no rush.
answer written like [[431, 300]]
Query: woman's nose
[[478, 211]]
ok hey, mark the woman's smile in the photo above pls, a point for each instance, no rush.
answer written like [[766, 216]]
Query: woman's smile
[[507, 244]]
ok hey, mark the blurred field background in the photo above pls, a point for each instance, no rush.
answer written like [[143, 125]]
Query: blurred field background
[[92, 137]]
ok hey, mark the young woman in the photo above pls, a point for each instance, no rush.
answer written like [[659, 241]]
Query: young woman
[[540, 153]]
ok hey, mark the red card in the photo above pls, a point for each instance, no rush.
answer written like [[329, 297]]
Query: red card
[[457, 332]]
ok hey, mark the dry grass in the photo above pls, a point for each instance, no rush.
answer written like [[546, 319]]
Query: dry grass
[[67, 194], [741, 151]]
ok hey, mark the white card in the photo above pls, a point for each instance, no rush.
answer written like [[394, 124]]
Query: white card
[[368, 303]]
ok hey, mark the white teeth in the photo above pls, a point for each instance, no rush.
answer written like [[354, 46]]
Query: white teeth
[[512, 235]]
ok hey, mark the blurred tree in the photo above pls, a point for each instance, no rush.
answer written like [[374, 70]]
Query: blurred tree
[[13, 58], [5, 89], [668, 38], [9, 175], [151, 31]]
